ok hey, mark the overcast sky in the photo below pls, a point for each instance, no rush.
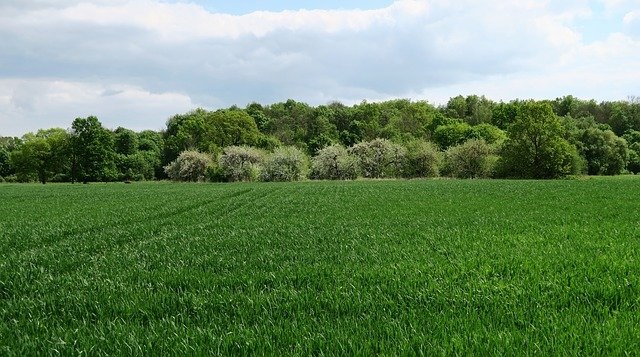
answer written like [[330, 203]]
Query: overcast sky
[[135, 63]]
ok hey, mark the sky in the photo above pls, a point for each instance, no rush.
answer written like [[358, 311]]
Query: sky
[[136, 63]]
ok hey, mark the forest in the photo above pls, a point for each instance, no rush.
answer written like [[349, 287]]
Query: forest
[[469, 137]]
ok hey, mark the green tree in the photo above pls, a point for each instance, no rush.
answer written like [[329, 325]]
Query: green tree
[[42, 156], [366, 121], [479, 110], [125, 141], [256, 111], [230, 127], [489, 133], [5, 164], [92, 151], [566, 105], [206, 131], [605, 153], [149, 140], [404, 120], [503, 114], [633, 140], [456, 108], [321, 132], [452, 134], [150, 146], [342, 119], [535, 147], [472, 109], [289, 122], [8, 144], [185, 132], [30, 160]]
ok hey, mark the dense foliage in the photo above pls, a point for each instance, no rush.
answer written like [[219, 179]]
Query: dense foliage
[[472, 159], [334, 162], [529, 139], [241, 163], [287, 163], [535, 147], [189, 166]]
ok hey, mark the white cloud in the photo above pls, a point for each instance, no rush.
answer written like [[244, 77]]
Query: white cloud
[[603, 71], [631, 17], [188, 22], [29, 105]]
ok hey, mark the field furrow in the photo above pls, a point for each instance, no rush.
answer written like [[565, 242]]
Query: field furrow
[[364, 267]]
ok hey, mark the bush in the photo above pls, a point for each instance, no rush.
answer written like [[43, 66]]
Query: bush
[[634, 158], [473, 159], [285, 164], [11, 179], [240, 163], [398, 160], [189, 166], [452, 134], [605, 153], [268, 142], [377, 158], [334, 163], [490, 133], [423, 160]]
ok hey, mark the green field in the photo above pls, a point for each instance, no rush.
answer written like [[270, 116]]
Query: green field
[[394, 267]]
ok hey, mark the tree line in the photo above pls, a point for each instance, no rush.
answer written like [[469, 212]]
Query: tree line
[[468, 137]]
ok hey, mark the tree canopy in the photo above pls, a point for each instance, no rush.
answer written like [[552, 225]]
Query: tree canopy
[[529, 139], [535, 147]]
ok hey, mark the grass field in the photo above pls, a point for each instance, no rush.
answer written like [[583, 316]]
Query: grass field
[[366, 267]]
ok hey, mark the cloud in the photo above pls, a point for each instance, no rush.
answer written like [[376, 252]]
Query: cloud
[[29, 105], [135, 63], [631, 17]]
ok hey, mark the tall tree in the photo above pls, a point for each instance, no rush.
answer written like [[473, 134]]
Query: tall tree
[[230, 127], [150, 145], [92, 151], [42, 156], [125, 141], [535, 147], [5, 164], [184, 132]]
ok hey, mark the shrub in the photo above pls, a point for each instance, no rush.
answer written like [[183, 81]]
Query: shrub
[[452, 134], [240, 163], [285, 164], [11, 179], [268, 142], [377, 158], [189, 166], [398, 160], [490, 133], [423, 159], [605, 153], [334, 163], [473, 159], [634, 158]]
